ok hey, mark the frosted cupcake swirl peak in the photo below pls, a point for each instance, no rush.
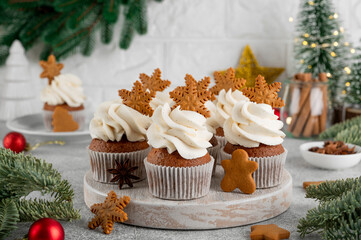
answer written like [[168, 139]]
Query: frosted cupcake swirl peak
[[65, 88], [251, 124], [113, 119], [179, 130], [160, 99]]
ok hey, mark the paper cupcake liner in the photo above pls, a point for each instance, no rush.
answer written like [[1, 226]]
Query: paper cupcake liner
[[221, 142], [101, 161], [78, 116], [179, 183], [270, 169], [214, 152]]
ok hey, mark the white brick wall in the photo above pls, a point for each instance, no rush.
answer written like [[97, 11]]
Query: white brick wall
[[197, 37]]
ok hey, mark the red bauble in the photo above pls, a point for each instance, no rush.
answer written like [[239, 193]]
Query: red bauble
[[277, 112], [15, 142], [46, 229]]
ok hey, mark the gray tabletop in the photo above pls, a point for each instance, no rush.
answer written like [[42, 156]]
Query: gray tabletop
[[72, 162]]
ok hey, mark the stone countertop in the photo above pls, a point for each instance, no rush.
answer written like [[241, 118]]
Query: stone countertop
[[72, 161]]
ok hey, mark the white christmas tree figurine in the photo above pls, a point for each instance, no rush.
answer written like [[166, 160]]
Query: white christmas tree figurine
[[17, 95]]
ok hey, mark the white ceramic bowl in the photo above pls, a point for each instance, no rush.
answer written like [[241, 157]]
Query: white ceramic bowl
[[327, 161]]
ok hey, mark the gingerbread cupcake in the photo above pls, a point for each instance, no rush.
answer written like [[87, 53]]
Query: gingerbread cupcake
[[255, 128], [179, 166], [119, 130], [227, 94], [63, 91]]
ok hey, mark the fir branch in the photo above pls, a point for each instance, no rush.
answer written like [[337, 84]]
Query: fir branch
[[31, 210], [138, 14], [331, 189], [111, 10], [83, 15], [9, 217], [336, 128], [21, 175], [106, 33], [350, 135]]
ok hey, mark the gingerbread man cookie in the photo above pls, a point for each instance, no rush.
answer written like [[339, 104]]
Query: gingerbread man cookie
[[238, 173]]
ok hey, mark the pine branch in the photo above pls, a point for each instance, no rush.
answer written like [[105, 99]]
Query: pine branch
[[138, 14], [111, 10], [335, 129], [21, 175], [69, 5], [331, 189], [350, 135], [106, 33], [84, 16], [127, 33], [338, 217], [31, 210], [9, 217]]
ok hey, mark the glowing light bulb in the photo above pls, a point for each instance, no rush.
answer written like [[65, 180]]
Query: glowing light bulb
[[305, 43], [343, 92], [346, 44], [290, 19], [329, 75], [313, 45], [335, 44], [352, 50], [302, 61], [348, 71], [342, 29], [333, 54], [347, 84], [335, 15], [306, 35], [288, 120], [335, 33], [330, 17], [324, 45], [309, 66], [311, 3]]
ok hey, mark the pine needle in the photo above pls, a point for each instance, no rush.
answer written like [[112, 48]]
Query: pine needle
[[9, 217]]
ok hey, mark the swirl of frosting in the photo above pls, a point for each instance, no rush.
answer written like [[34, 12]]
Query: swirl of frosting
[[252, 124], [224, 105], [184, 131], [65, 88], [113, 119], [160, 99]]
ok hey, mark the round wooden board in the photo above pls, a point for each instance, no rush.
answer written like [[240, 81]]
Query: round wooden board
[[216, 210]]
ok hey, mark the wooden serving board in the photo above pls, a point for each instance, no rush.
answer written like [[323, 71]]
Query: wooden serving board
[[216, 210]]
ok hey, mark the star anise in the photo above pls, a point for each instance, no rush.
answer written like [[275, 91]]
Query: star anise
[[123, 173]]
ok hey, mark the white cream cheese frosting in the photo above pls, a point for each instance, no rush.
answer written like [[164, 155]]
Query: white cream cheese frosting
[[221, 108], [65, 88], [251, 124], [184, 131], [160, 99], [113, 119]]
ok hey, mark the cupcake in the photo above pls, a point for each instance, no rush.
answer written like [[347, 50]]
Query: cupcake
[[227, 94], [63, 90], [255, 128], [118, 132], [179, 166]]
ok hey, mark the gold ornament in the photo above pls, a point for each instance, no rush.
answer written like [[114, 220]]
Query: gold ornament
[[249, 69]]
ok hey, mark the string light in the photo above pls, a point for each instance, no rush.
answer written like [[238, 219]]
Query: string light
[[302, 61], [347, 84], [352, 50], [288, 120], [342, 29], [329, 75], [305, 43], [333, 54], [335, 15], [306, 35], [335, 44], [348, 71], [309, 66], [335, 33], [346, 44], [324, 45], [330, 17], [343, 92], [313, 45], [290, 19], [311, 3]]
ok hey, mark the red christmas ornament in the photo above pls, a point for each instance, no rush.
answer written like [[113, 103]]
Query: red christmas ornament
[[277, 112], [15, 142], [46, 229]]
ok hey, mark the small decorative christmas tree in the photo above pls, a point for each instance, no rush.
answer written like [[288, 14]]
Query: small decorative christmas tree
[[15, 97], [338, 215], [352, 89], [320, 45]]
